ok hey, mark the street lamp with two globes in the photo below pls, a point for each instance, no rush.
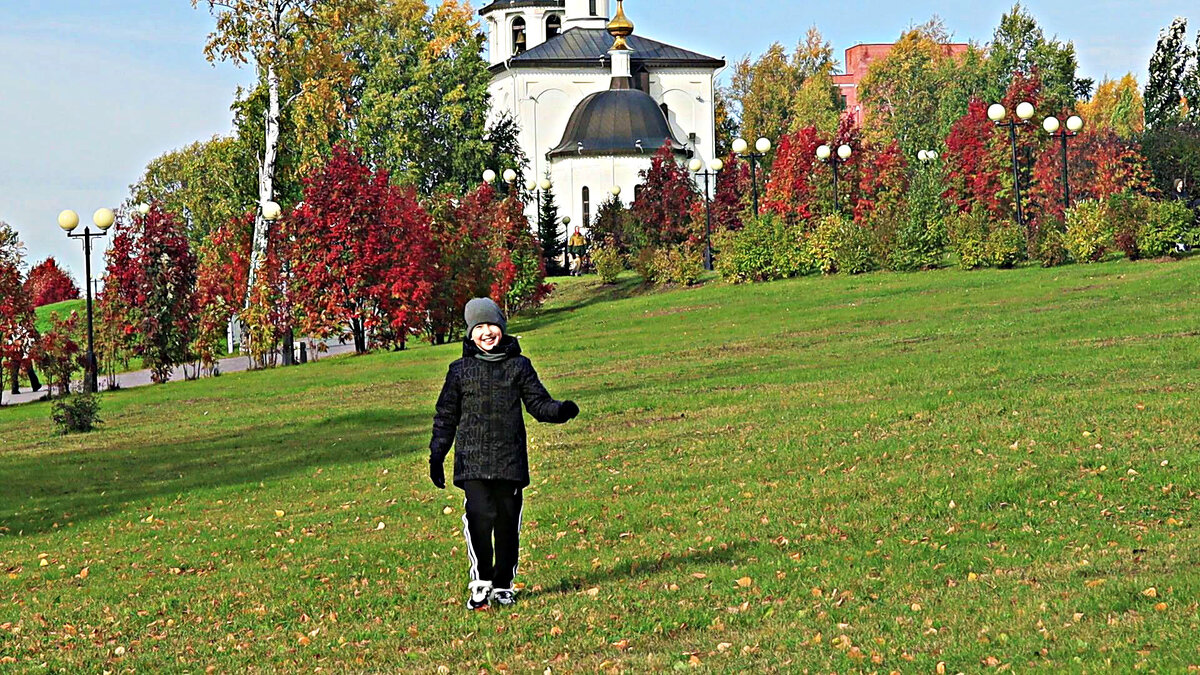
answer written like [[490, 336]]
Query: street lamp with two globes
[[714, 168], [103, 219]]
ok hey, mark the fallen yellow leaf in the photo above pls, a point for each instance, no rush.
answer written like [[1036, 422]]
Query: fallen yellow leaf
[[555, 630], [1160, 607], [1151, 592], [699, 575], [593, 591], [83, 573], [278, 513], [745, 582]]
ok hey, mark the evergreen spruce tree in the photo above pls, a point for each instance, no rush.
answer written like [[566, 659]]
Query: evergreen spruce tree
[[548, 233], [1168, 68]]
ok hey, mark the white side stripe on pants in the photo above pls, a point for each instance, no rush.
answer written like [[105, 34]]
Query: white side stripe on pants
[[520, 516], [470, 549]]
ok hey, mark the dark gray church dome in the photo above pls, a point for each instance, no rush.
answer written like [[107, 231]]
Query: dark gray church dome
[[622, 121]]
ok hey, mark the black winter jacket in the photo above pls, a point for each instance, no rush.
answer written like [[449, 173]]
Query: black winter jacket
[[479, 413]]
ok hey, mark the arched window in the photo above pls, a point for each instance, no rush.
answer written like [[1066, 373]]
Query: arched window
[[592, 8], [666, 111], [637, 192], [518, 35], [553, 26], [587, 207]]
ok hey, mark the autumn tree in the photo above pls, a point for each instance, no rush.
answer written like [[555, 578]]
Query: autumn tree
[[902, 93], [283, 39], [664, 203], [58, 352], [1100, 163], [363, 255], [461, 232], [520, 272], [223, 266], [17, 333], [975, 164], [614, 225], [1116, 105], [47, 284], [768, 90], [790, 191], [731, 195], [152, 268], [725, 122]]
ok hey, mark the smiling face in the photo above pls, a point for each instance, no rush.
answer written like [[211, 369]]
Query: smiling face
[[486, 336]]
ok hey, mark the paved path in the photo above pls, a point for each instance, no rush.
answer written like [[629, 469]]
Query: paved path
[[141, 378]]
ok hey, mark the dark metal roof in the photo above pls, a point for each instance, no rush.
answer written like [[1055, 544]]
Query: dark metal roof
[[508, 4], [589, 47], [616, 122]]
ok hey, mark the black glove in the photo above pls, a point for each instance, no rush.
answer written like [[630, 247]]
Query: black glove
[[437, 474], [568, 411]]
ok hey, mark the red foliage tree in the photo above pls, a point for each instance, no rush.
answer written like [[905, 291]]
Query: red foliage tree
[[223, 267], [1100, 163], [975, 163], [883, 182], [520, 269], [665, 200], [47, 284], [732, 194], [362, 256], [153, 270], [790, 191], [58, 352], [18, 336], [462, 234]]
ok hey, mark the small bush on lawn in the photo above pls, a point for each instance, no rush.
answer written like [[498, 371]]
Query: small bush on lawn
[[1088, 236], [78, 413], [855, 248], [1127, 214], [609, 263], [681, 265], [1006, 246], [968, 234], [1049, 247], [766, 248], [643, 264], [1168, 225]]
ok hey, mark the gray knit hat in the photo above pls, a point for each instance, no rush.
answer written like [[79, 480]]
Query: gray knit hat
[[484, 310]]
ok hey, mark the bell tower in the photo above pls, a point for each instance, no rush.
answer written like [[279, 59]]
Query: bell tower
[[586, 14], [516, 26]]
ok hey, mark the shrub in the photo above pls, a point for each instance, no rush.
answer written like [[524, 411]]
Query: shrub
[[1006, 246], [76, 413], [766, 248], [1049, 246], [643, 264], [822, 244], [680, 265], [968, 237], [1168, 225], [854, 248], [609, 263], [1127, 213], [1088, 235]]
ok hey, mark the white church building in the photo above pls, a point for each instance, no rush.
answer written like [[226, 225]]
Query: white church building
[[593, 101]]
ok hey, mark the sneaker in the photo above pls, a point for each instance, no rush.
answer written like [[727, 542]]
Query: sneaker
[[504, 597], [480, 592]]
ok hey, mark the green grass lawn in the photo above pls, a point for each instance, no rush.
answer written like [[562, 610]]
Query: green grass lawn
[[885, 472], [62, 309]]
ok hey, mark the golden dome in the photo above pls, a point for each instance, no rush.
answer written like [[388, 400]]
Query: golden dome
[[620, 27]]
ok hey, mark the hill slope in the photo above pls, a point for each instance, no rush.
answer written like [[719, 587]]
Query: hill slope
[[875, 473]]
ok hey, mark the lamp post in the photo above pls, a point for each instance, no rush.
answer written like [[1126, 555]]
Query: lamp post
[[996, 113], [1054, 128], [825, 154], [103, 219], [566, 222], [762, 146], [697, 167]]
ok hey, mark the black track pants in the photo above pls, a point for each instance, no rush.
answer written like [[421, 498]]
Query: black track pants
[[493, 508]]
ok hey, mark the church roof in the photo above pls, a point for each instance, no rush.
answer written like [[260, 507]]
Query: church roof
[[616, 122], [506, 4], [588, 47]]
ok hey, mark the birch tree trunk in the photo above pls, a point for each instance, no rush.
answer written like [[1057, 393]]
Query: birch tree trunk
[[266, 177]]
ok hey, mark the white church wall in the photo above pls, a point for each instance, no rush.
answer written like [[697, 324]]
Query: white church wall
[[599, 175]]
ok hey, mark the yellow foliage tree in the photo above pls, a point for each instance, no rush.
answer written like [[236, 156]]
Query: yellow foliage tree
[[1117, 105]]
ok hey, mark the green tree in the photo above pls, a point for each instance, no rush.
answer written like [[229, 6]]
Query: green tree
[[1168, 68], [203, 185], [902, 92], [547, 229], [1116, 105], [1019, 46], [725, 122]]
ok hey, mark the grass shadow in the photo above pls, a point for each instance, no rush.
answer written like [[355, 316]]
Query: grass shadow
[[640, 567], [45, 491]]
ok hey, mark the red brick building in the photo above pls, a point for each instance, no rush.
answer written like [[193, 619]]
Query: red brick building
[[859, 58]]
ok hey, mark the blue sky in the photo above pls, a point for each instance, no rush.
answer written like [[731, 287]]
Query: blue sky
[[92, 90]]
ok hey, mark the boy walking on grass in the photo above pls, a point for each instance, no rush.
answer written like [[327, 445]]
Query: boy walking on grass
[[479, 413]]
